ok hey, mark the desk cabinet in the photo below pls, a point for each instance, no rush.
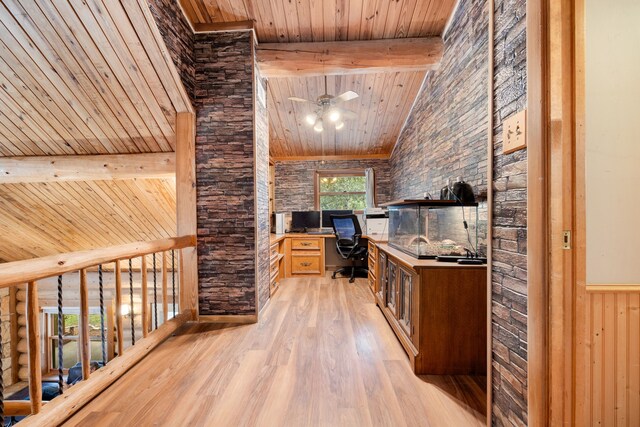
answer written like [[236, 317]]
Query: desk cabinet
[[373, 267], [438, 311], [304, 256]]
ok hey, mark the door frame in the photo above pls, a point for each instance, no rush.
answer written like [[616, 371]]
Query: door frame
[[556, 273]]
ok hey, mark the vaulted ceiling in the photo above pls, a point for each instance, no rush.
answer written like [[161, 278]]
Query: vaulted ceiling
[[385, 98], [84, 77]]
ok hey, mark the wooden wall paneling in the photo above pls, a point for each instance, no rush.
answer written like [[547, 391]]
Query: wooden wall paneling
[[152, 41], [101, 42], [327, 20], [31, 89], [121, 33], [28, 113], [385, 100], [63, 27], [612, 368], [38, 50]]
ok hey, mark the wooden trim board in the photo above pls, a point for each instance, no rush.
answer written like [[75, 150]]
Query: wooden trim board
[[229, 318]]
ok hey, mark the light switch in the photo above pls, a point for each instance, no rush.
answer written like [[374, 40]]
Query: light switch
[[514, 136]]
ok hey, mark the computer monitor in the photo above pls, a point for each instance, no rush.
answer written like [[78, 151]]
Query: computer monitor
[[303, 220], [326, 216]]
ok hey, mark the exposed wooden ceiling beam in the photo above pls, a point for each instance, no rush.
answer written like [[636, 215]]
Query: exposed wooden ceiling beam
[[352, 57], [15, 170], [214, 27], [330, 158]]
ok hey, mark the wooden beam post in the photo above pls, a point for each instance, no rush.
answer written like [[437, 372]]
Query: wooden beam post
[[85, 344], [119, 331], [348, 57], [186, 209], [145, 302], [33, 339], [110, 331], [16, 170]]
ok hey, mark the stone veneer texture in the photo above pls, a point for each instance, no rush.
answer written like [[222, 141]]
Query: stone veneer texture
[[262, 191], [445, 135], [295, 181], [509, 275], [225, 160], [178, 37]]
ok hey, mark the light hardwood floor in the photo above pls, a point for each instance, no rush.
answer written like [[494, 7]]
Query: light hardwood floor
[[321, 355]]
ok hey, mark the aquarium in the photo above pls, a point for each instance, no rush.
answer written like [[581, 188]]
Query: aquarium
[[431, 228]]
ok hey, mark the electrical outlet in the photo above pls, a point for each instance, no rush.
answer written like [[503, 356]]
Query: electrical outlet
[[514, 136]]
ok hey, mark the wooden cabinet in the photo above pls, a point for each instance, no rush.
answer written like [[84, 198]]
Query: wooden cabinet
[[275, 261], [372, 266], [438, 311], [406, 279], [304, 256], [381, 280]]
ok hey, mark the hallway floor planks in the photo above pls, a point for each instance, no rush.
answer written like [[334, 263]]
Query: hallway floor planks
[[321, 355]]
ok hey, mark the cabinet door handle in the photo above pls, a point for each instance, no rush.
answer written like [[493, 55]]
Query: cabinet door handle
[[305, 264], [306, 243]]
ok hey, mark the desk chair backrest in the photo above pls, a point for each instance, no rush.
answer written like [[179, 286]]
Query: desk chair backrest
[[347, 229]]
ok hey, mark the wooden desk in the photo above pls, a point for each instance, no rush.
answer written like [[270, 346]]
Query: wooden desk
[[304, 253]]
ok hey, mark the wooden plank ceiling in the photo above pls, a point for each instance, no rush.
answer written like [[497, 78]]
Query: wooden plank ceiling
[[84, 77], [385, 99]]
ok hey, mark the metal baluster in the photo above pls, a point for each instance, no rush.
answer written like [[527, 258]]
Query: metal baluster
[[131, 313], [173, 280], [102, 332], [60, 338], [155, 292]]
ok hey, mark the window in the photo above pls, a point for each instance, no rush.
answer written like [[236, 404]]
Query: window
[[70, 348], [341, 189]]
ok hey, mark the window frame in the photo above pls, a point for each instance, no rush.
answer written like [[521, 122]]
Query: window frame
[[330, 173]]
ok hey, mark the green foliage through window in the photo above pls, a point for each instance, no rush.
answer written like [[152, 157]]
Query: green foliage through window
[[342, 192]]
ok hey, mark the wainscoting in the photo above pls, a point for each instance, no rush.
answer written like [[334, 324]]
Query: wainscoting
[[612, 379]]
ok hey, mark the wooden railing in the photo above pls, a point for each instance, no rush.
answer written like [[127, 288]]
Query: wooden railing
[[34, 271]]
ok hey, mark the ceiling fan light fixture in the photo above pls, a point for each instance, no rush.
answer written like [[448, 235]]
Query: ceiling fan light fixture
[[319, 126], [334, 115], [311, 118], [339, 125]]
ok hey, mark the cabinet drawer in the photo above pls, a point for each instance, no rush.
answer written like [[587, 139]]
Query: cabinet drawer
[[274, 267], [372, 248], [274, 250], [306, 243], [305, 264]]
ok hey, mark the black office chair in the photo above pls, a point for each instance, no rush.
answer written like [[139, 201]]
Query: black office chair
[[348, 232]]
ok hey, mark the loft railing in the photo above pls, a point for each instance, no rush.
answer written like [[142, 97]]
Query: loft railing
[[162, 256]]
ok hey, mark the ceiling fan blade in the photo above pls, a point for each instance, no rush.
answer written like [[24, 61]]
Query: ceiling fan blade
[[349, 115], [347, 96], [295, 99]]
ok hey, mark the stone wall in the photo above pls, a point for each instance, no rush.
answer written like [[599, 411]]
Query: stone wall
[[509, 275], [446, 133], [225, 157], [295, 181], [178, 37], [262, 190]]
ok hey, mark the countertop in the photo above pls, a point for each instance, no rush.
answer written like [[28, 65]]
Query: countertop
[[377, 238], [424, 263]]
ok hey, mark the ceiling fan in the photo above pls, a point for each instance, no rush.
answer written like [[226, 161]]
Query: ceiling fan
[[327, 109]]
